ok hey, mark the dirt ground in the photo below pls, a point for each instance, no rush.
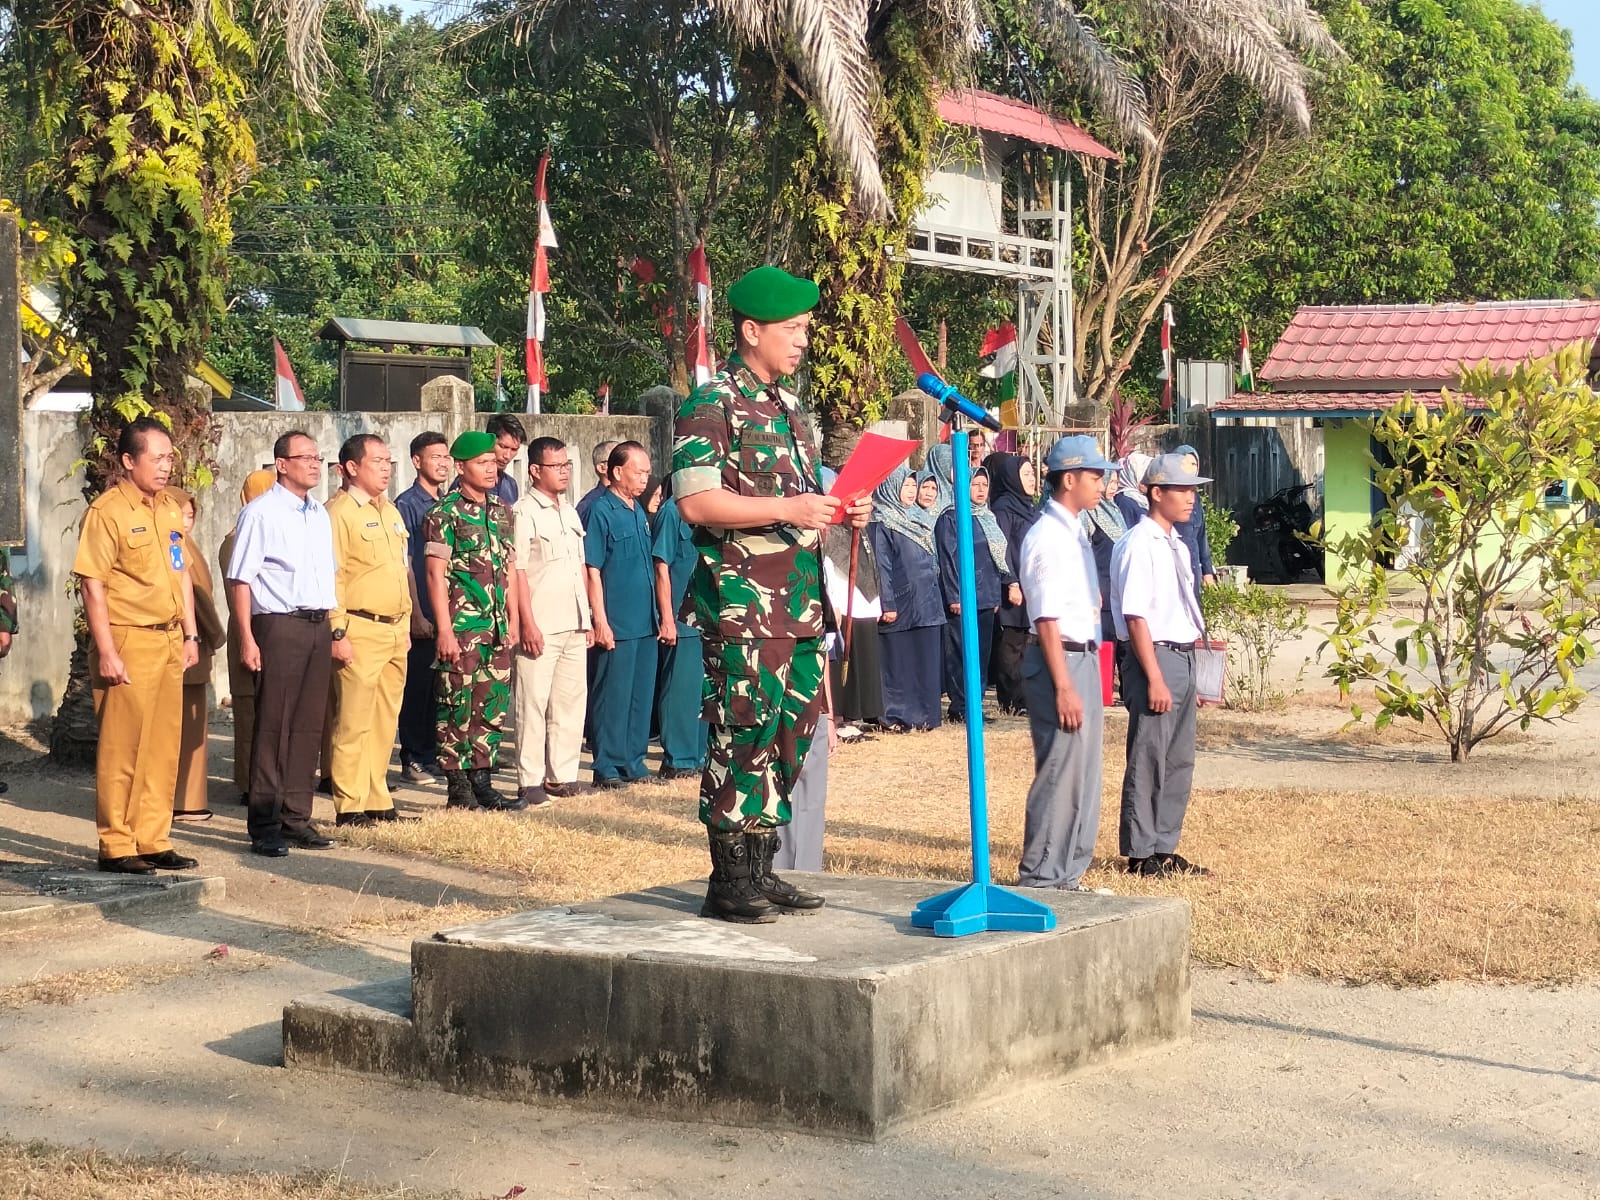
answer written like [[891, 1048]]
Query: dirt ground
[[144, 1037]]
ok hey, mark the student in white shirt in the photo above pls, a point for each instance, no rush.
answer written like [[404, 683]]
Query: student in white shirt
[[1158, 621], [1061, 672]]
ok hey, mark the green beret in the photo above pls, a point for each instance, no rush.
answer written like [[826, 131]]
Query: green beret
[[471, 444], [772, 294]]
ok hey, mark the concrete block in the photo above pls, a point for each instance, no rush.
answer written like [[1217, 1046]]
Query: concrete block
[[848, 1021]]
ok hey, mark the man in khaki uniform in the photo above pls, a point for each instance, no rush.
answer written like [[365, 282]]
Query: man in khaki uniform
[[552, 685], [139, 603], [371, 631]]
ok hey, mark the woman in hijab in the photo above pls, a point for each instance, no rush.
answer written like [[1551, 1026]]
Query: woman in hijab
[[1130, 499], [858, 691], [189, 797], [1193, 531], [993, 578], [241, 683], [1013, 489], [939, 467], [913, 617], [1106, 526]]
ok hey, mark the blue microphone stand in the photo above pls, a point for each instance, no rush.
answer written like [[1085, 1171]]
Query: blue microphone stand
[[980, 905]]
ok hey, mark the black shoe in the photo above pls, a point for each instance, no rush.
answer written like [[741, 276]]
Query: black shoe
[[307, 839], [532, 797], [390, 815], [558, 790], [1154, 867], [731, 893], [359, 819], [483, 790], [608, 783], [325, 788], [458, 791], [763, 845], [171, 860], [1177, 864], [244, 799], [679, 772], [270, 848], [128, 864]]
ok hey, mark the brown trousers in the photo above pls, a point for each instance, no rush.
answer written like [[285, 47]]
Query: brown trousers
[[291, 700], [191, 792], [136, 766]]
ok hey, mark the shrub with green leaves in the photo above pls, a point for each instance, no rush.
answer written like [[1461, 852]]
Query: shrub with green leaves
[[1255, 622], [1486, 513]]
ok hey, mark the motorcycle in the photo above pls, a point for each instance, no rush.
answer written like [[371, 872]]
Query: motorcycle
[[1282, 523]]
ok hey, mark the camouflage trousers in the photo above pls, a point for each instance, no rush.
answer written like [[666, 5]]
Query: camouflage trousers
[[762, 698], [473, 697]]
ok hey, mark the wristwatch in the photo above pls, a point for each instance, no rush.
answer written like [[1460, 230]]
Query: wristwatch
[[191, 637], [338, 634]]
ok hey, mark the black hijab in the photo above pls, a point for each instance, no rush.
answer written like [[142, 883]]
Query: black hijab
[[1015, 509]]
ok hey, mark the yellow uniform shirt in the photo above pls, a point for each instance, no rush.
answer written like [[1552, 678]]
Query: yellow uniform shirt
[[134, 545], [373, 566]]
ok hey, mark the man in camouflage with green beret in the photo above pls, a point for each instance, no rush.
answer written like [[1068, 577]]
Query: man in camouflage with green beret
[[469, 549], [747, 482]]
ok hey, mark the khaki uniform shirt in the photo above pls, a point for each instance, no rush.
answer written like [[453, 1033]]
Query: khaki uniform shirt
[[371, 556], [135, 547], [549, 546]]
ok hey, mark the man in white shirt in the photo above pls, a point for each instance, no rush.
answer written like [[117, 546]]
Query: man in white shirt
[[1158, 621], [281, 586], [552, 599], [1061, 672]]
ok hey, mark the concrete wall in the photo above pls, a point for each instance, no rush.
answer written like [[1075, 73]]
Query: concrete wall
[[34, 675]]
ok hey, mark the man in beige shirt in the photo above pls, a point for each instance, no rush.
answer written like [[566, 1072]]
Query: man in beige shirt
[[552, 686]]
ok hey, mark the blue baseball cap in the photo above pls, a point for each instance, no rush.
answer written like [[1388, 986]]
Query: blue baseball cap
[[1169, 471], [1079, 452]]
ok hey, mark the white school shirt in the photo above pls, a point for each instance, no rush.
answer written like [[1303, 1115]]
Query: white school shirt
[[1058, 575], [284, 551], [1151, 578]]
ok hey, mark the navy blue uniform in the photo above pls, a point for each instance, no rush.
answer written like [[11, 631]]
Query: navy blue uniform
[[616, 542]]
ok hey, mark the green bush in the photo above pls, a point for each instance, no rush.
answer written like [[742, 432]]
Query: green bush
[[1221, 529], [1255, 622]]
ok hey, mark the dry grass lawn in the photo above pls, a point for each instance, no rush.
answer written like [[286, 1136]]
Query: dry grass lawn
[[1400, 889], [38, 1172]]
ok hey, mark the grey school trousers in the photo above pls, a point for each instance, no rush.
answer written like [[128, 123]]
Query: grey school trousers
[[1160, 771], [1063, 816]]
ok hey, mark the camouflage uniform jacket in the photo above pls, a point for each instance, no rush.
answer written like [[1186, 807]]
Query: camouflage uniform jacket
[[8, 595], [737, 433], [476, 542]]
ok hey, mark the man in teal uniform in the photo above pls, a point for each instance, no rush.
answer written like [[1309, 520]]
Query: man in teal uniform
[[616, 553], [680, 673], [747, 483]]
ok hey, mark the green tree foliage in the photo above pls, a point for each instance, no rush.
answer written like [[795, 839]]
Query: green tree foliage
[[351, 213], [1468, 519], [1454, 161]]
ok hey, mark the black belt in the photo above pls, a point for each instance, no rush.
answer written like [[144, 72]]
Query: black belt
[[166, 627], [315, 615], [372, 616], [1180, 647], [1075, 647]]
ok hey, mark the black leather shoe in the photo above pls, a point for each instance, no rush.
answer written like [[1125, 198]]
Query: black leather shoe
[[325, 788], [1154, 866], [390, 815], [270, 848], [128, 864], [608, 783], [680, 773], [1177, 864], [358, 819], [244, 799], [171, 860], [307, 838]]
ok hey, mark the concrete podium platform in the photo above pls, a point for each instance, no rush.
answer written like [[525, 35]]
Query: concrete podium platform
[[847, 1021]]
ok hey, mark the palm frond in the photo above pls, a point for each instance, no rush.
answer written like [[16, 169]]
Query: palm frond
[[1114, 94], [1303, 28], [960, 20], [305, 57], [826, 41]]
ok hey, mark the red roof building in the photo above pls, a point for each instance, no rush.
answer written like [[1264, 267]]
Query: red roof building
[[1012, 118], [1349, 360]]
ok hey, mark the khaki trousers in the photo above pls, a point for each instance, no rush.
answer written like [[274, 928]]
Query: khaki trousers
[[366, 714], [552, 693], [141, 722], [192, 765]]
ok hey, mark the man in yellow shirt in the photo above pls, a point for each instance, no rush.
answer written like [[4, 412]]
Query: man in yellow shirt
[[371, 631], [139, 604]]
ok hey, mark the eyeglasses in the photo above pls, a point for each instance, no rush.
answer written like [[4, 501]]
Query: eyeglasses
[[302, 458], [560, 466]]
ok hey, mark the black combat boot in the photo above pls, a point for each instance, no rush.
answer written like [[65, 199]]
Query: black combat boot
[[763, 845], [732, 894], [458, 791], [483, 791]]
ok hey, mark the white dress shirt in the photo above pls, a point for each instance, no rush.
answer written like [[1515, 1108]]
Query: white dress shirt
[[1059, 580], [284, 551], [1151, 578]]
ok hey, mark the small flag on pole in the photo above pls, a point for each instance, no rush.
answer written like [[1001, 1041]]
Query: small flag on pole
[[700, 363], [1002, 343], [538, 285], [499, 386], [1247, 371], [286, 388], [1167, 363], [603, 394]]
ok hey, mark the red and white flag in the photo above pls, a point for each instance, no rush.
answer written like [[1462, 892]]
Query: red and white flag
[[1167, 363], [700, 363], [603, 395], [538, 285], [286, 388]]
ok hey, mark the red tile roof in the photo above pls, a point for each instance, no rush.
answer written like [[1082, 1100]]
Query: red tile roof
[[1421, 345], [1317, 404], [1000, 114]]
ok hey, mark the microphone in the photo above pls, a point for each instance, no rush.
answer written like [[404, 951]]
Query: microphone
[[952, 400]]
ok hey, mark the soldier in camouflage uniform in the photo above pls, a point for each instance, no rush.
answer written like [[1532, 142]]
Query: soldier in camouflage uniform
[[469, 549], [8, 612], [747, 483]]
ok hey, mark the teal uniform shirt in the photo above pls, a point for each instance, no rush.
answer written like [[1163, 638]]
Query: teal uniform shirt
[[616, 542], [673, 544]]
